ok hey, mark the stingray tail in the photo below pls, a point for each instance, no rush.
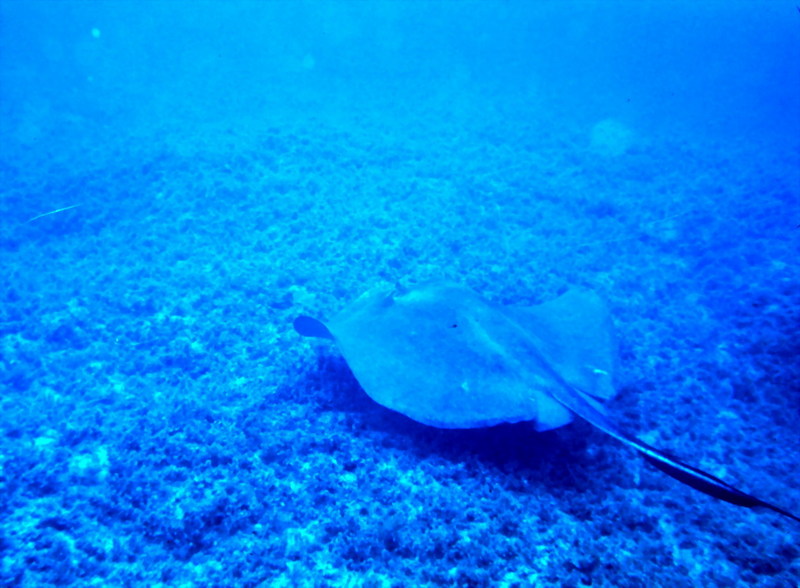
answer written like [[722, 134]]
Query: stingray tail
[[698, 479]]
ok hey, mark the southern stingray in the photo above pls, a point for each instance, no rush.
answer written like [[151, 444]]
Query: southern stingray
[[443, 356]]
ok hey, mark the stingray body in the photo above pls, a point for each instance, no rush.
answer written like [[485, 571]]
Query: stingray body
[[443, 356]]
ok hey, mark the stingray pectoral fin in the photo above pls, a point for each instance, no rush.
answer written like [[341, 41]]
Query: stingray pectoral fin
[[311, 327], [691, 476]]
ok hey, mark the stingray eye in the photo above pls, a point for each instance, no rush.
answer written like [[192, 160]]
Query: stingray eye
[[454, 326]]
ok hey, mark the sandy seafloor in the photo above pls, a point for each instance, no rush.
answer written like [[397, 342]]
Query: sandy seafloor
[[162, 424]]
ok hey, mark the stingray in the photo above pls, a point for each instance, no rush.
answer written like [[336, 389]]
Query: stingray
[[445, 357]]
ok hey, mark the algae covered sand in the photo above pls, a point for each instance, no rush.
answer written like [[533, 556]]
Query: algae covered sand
[[161, 423]]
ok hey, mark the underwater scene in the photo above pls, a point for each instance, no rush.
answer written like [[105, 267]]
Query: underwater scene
[[400, 293]]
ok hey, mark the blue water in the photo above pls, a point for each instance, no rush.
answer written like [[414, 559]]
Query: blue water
[[179, 181]]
